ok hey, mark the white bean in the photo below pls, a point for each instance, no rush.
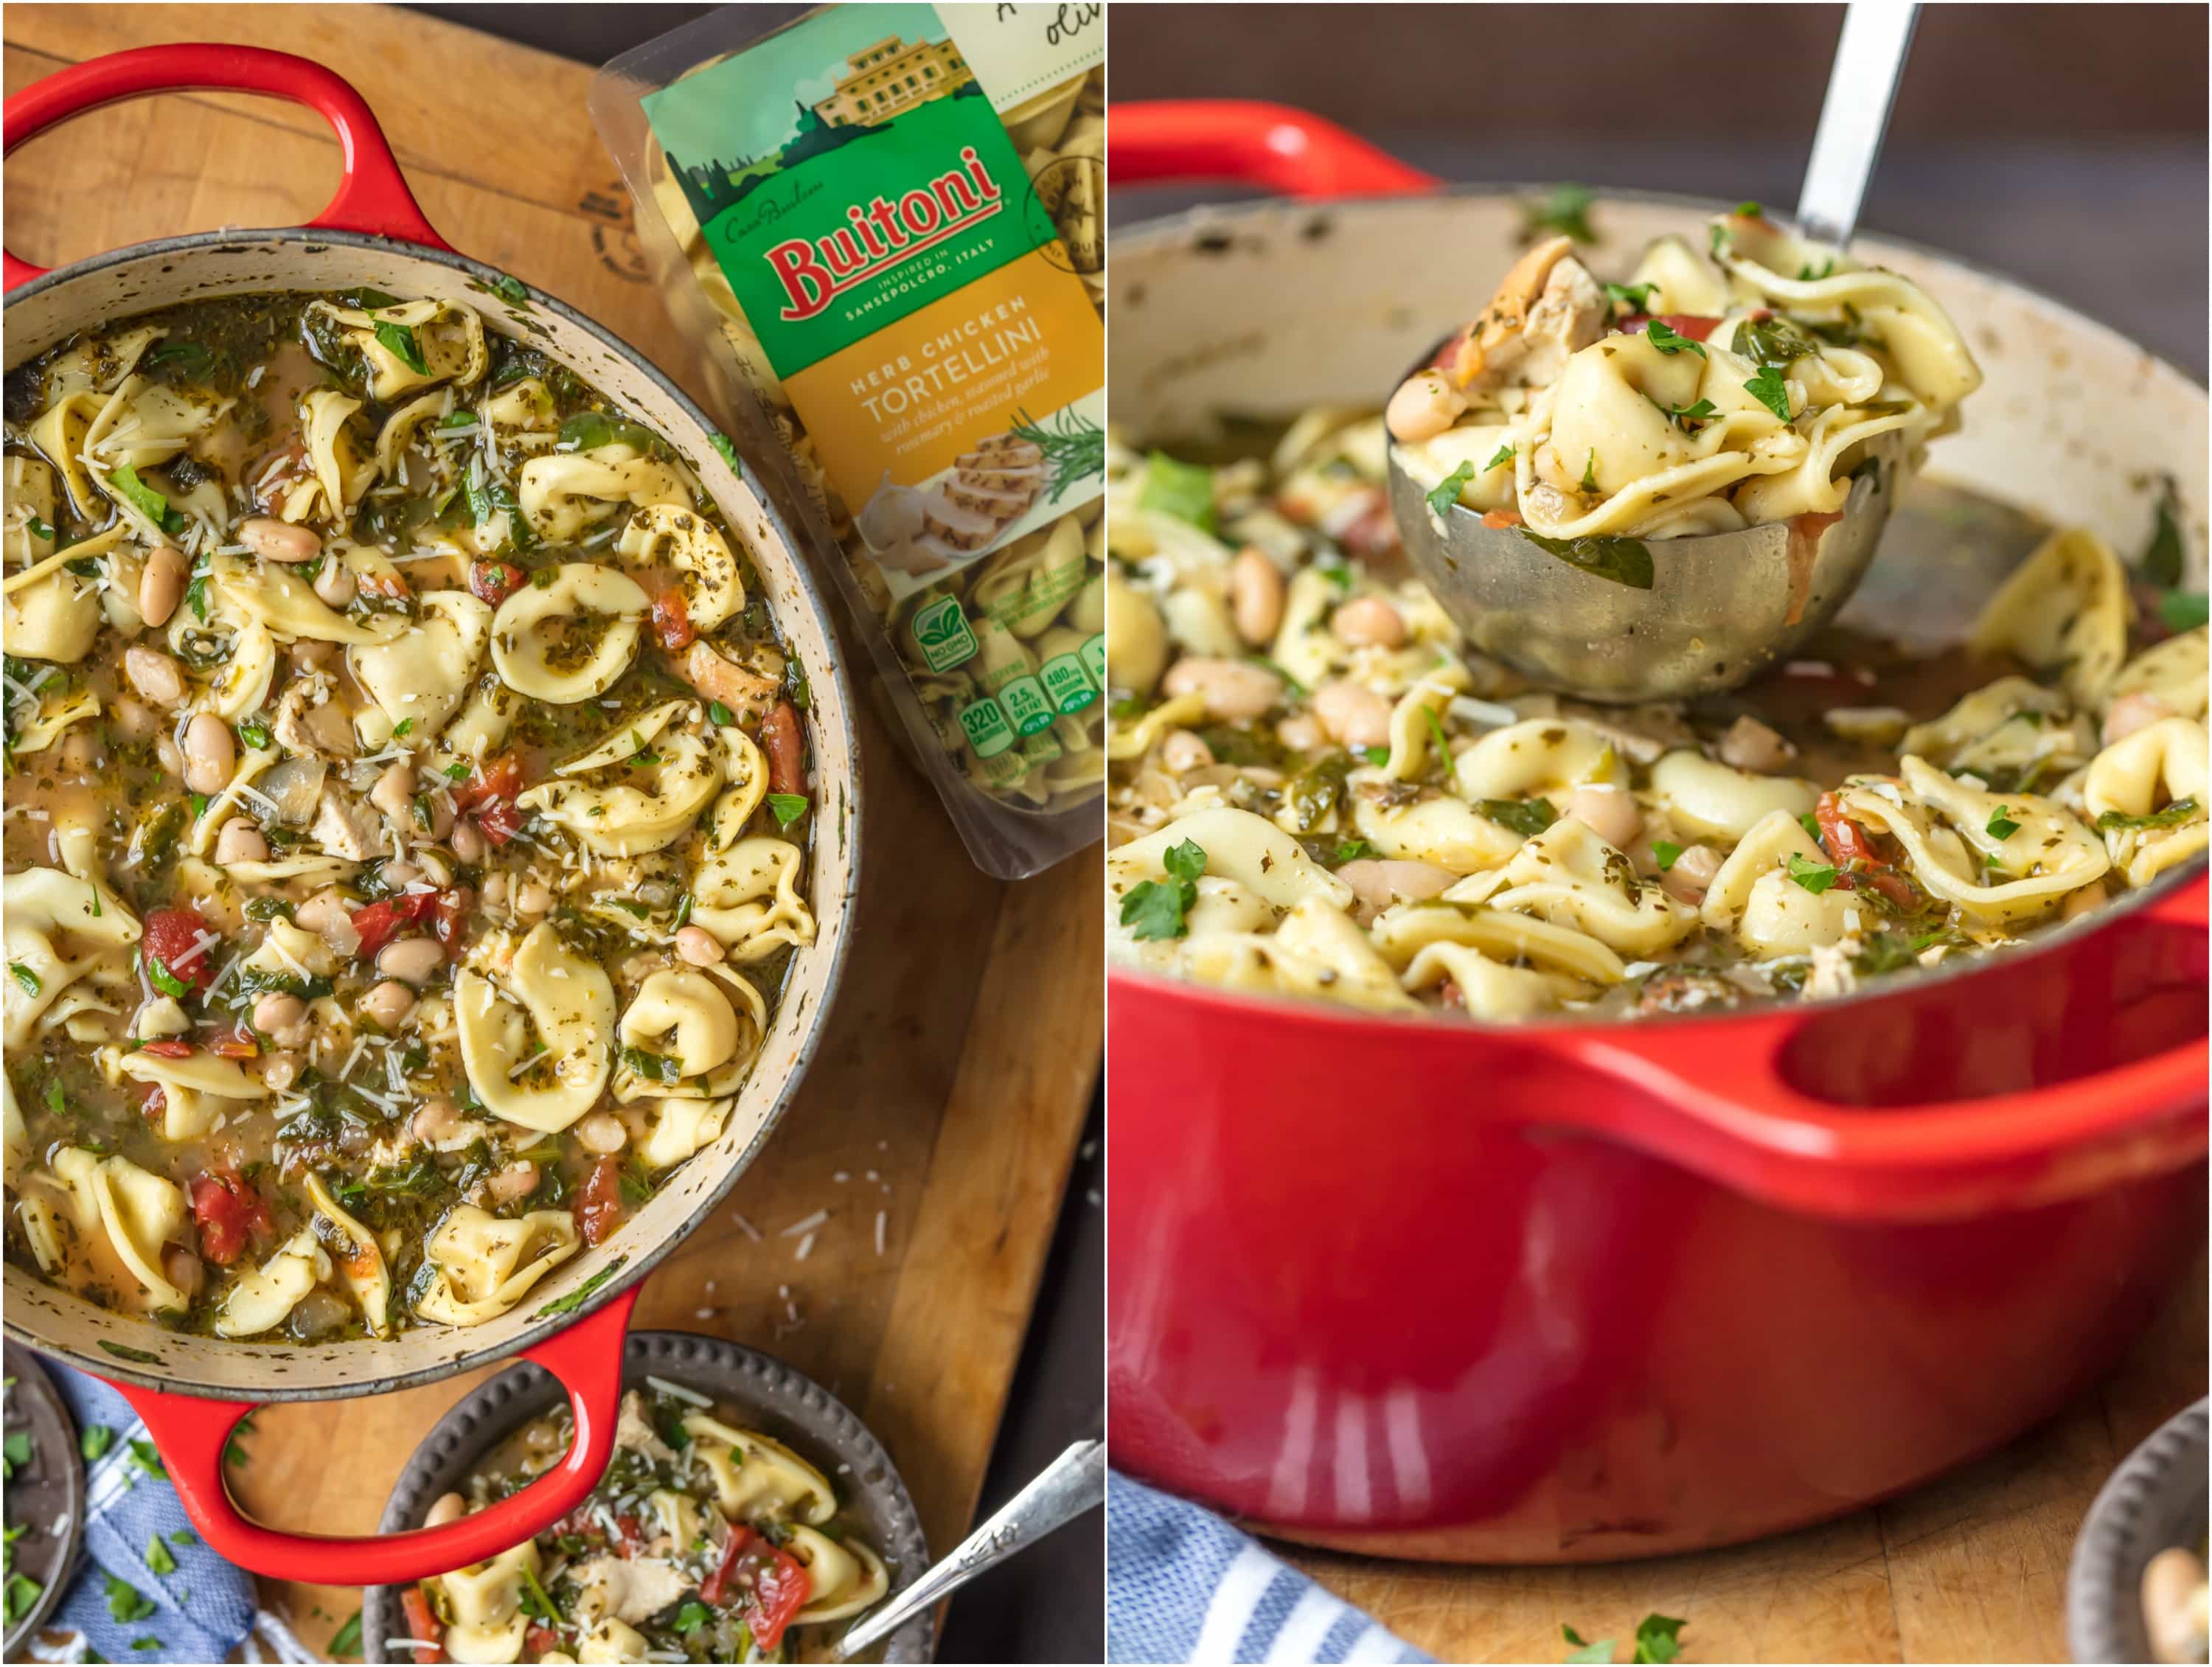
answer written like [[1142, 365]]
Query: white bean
[[1367, 622], [153, 675], [1230, 687], [1256, 596], [162, 585], [434, 1119], [327, 915], [1182, 751], [240, 842], [279, 541], [518, 1180], [533, 898], [1302, 733], [446, 1508], [1750, 745], [274, 1011], [388, 1004], [1610, 812], [1353, 714], [412, 960], [1692, 873], [698, 945], [1378, 883], [1425, 405], [336, 584], [468, 844], [602, 1132], [394, 792], [184, 1269], [133, 718], [210, 754]]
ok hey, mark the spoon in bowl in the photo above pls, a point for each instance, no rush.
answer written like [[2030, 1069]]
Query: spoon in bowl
[[1623, 619]]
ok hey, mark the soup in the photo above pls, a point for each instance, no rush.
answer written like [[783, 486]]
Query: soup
[[407, 814]]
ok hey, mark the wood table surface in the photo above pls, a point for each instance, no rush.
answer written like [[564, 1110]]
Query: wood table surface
[[952, 1085], [1969, 1567]]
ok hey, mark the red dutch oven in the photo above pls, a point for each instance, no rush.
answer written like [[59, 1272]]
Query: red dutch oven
[[193, 1390], [1563, 1291]]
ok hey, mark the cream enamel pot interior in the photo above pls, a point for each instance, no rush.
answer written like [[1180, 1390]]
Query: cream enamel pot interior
[[1564, 1291], [192, 1390]]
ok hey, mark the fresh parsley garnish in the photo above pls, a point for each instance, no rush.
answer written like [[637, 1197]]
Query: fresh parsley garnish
[[577, 1298], [255, 733], [693, 1616], [1590, 471], [788, 807], [1526, 816], [346, 1641], [30, 980], [1446, 491], [94, 1440], [1814, 877], [2180, 810], [1771, 391], [719, 715], [728, 453], [1689, 418], [1563, 212], [513, 289], [1377, 756], [1184, 491], [14, 1454], [1350, 850], [126, 1603], [1663, 336], [1504, 454], [400, 341], [1634, 297], [1155, 909], [1665, 852], [1621, 560], [158, 1558], [150, 502], [2001, 826]]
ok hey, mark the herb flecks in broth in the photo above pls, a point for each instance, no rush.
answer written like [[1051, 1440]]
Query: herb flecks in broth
[[326, 946], [1319, 789]]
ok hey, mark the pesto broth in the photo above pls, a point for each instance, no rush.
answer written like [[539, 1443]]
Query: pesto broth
[[705, 1541], [1318, 788], [407, 806]]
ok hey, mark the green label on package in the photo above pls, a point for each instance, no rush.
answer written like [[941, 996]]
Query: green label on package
[[941, 633], [906, 279], [986, 728]]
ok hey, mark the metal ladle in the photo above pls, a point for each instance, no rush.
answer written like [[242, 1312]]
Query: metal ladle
[[1720, 608]]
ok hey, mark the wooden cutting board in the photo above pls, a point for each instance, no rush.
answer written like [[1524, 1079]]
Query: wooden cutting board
[[952, 1084], [1970, 1567]]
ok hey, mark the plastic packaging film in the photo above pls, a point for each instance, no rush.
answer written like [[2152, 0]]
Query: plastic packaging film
[[974, 557]]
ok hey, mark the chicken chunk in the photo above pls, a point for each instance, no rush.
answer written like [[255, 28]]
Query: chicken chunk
[[629, 1590], [1546, 308], [748, 693], [310, 723], [346, 828], [634, 1431]]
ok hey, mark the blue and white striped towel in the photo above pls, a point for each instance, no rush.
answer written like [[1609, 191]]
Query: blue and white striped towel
[[1181, 1584], [202, 1607]]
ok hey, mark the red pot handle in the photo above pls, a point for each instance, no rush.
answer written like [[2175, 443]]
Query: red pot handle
[[192, 1433], [372, 196], [1272, 146], [1732, 1111]]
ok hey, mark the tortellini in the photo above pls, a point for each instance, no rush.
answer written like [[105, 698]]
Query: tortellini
[[748, 896], [60, 929], [413, 343], [569, 1002], [485, 1601], [2065, 610], [261, 1299], [655, 800], [677, 536], [564, 494], [199, 1090], [1569, 875], [757, 1479], [421, 677], [2151, 775], [570, 638], [1762, 894], [480, 1265], [684, 1021], [1944, 826]]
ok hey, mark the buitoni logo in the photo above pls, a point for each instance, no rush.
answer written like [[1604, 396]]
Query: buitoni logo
[[883, 234]]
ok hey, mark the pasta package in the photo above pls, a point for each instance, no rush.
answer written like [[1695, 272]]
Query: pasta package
[[885, 225]]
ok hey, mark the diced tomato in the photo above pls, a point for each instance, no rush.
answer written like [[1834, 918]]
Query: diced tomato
[[780, 1589], [155, 1106], [490, 795], [717, 1584], [450, 919], [380, 922], [1858, 864], [537, 1639], [771, 1583], [234, 1047], [779, 737], [1495, 518], [633, 1535], [1694, 326], [230, 1213], [177, 941], [600, 1207], [494, 581], [423, 1625], [671, 622], [167, 1048], [389, 585]]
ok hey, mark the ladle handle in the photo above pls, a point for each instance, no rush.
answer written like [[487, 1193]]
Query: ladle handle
[[1854, 116]]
